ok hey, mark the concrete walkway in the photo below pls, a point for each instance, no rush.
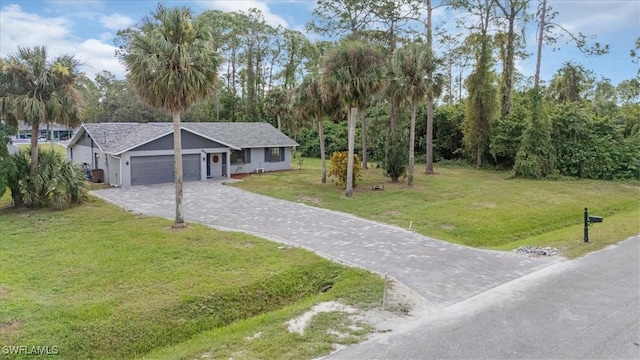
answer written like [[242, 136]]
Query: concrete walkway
[[441, 272]]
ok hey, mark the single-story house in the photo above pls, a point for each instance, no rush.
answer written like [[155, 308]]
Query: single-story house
[[142, 153]]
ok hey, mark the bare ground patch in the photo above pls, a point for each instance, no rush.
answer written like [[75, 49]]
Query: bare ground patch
[[401, 309], [448, 227], [9, 327], [310, 199]]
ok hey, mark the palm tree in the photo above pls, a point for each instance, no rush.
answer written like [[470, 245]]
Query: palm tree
[[172, 64], [276, 104], [38, 91], [434, 83], [356, 72], [309, 104], [410, 64]]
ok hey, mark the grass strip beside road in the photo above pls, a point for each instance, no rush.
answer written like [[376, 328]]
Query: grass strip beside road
[[98, 282], [478, 208]]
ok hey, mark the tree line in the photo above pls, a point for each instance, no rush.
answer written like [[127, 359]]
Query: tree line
[[410, 85]]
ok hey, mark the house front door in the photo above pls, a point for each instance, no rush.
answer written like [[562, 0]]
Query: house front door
[[215, 165]]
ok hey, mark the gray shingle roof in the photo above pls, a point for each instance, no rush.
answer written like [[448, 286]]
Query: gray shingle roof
[[117, 138]]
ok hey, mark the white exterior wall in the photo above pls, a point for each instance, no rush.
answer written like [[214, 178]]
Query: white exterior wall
[[103, 163], [125, 160], [81, 154], [112, 173], [108, 163]]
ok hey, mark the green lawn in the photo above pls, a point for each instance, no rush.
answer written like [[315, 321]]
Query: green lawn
[[479, 208], [98, 282], [47, 146]]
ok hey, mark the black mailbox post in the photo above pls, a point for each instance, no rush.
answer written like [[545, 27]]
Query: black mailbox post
[[588, 220]]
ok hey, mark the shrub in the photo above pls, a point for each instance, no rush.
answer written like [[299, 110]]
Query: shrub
[[5, 165], [397, 155], [335, 139], [447, 132], [535, 157], [17, 169], [57, 182], [507, 131], [338, 168], [594, 147], [5, 139]]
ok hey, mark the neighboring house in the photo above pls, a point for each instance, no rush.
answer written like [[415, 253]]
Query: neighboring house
[[45, 132], [142, 153]]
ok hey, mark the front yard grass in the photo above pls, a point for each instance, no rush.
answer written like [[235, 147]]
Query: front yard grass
[[478, 208], [97, 282]]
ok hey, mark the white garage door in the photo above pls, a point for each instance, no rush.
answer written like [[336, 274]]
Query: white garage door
[[147, 170]]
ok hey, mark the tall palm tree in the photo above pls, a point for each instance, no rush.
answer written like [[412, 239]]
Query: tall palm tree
[[434, 85], [355, 71], [309, 104], [172, 64], [411, 64], [38, 91]]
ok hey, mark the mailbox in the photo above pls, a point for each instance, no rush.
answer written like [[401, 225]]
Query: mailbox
[[588, 220], [595, 219]]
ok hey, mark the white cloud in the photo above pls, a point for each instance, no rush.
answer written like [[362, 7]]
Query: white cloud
[[244, 6], [597, 17], [75, 3], [116, 21], [26, 29], [79, 9], [99, 56]]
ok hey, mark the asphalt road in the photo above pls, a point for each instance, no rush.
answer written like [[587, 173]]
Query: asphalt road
[[583, 309]]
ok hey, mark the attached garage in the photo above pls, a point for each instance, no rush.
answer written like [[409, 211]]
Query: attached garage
[[142, 153], [147, 170]]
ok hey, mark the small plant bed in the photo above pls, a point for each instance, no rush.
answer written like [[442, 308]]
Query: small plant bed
[[478, 208], [98, 282]]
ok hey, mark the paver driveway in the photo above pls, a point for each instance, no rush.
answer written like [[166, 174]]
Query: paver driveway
[[441, 272]]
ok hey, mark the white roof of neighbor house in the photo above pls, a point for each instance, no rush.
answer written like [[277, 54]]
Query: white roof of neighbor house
[[116, 138]]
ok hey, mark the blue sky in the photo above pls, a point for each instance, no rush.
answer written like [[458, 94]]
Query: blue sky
[[86, 28]]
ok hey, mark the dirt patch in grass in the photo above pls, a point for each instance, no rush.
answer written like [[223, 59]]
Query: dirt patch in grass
[[11, 326], [178, 229], [310, 199], [299, 324], [239, 176], [448, 227], [393, 213]]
